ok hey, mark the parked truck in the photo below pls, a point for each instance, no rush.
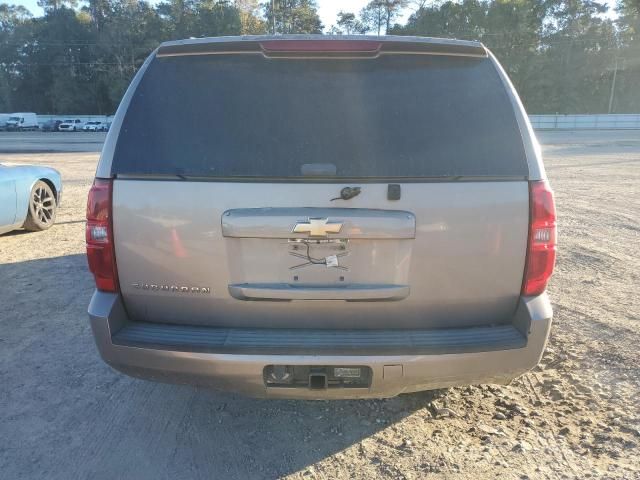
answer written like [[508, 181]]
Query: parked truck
[[22, 121]]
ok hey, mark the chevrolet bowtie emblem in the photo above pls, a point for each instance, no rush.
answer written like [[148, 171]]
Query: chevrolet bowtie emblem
[[318, 227]]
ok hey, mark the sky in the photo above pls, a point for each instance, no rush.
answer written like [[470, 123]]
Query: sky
[[327, 9]]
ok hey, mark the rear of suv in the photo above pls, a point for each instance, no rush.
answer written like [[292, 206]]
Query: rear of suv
[[320, 217]]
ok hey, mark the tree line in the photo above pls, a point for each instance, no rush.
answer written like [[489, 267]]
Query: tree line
[[564, 56]]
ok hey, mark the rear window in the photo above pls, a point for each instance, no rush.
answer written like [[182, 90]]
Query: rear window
[[391, 117]]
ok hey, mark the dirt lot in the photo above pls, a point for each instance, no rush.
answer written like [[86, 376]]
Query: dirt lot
[[64, 414]]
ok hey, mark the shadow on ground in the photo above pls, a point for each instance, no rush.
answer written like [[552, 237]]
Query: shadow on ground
[[14, 233], [70, 416]]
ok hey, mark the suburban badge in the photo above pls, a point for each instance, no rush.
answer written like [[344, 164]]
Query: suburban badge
[[155, 287]]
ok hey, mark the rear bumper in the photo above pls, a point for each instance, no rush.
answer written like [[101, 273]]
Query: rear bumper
[[450, 358]]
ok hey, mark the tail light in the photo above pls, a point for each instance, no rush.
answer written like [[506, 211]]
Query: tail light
[[99, 236], [541, 249], [320, 46]]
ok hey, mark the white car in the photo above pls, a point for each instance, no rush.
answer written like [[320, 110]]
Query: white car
[[94, 127], [71, 125]]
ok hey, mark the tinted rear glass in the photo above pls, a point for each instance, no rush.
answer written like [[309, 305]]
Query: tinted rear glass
[[249, 116]]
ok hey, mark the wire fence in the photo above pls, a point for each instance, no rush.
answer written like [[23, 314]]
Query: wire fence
[[539, 122], [586, 122]]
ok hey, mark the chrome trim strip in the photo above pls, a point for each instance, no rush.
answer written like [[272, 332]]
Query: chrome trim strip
[[283, 291], [355, 222]]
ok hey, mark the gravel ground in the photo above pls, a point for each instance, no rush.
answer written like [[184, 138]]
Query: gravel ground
[[64, 414]]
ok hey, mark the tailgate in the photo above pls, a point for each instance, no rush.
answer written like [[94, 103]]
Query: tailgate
[[211, 253]]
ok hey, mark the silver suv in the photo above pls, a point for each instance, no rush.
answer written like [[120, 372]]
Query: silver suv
[[321, 217]]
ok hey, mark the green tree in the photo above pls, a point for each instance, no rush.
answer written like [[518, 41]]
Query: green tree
[[626, 91], [379, 14], [293, 16], [393, 9], [11, 16], [578, 47], [130, 32], [15, 21], [98, 10], [54, 5], [215, 18], [199, 18], [59, 66], [250, 21], [179, 17], [348, 24], [373, 15], [563, 55], [558, 53]]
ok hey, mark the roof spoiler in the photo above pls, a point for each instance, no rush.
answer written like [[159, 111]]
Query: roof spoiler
[[319, 46]]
